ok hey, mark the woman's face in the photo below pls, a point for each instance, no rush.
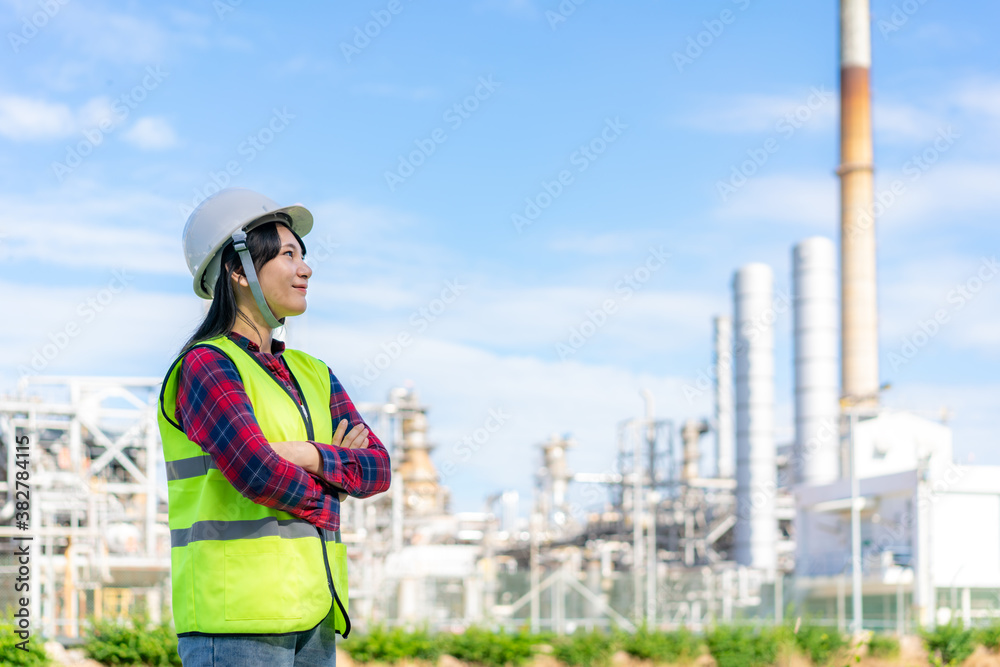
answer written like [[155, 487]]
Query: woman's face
[[284, 278]]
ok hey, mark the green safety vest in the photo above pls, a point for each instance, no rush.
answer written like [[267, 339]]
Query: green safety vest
[[238, 567]]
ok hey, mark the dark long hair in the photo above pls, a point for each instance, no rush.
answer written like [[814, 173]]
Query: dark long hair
[[263, 243]]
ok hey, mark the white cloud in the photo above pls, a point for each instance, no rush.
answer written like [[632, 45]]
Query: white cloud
[[113, 37], [95, 111], [108, 327], [961, 193], [28, 119], [151, 133], [895, 122], [35, 119], [914, 290], [981, 96], [808, 201], [92, 228]]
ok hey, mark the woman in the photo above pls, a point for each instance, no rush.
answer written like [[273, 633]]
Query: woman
[[256, 469]]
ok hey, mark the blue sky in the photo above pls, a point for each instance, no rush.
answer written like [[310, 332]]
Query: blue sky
[[116, 117]]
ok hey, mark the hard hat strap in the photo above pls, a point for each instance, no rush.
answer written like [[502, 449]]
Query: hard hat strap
[[240, 245]]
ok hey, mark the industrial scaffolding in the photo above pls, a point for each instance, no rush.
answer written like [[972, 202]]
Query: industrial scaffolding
[[97, 504]]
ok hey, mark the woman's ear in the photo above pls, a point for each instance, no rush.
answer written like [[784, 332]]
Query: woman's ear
[[239, 277]]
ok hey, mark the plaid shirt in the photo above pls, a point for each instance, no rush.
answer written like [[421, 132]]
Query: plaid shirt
[[215, 412]]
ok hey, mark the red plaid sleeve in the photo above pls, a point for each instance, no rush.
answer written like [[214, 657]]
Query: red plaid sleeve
[[359, 472], [215, 412]]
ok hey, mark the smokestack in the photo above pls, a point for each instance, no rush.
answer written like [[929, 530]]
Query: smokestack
[[858, 303], [724, 457], [756, 525], [814, 285]]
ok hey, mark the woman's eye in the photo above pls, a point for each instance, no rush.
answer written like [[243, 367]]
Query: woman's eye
[[289, 253]]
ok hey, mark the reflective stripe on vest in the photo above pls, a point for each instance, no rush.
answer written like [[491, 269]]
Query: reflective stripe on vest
[[238, 567]]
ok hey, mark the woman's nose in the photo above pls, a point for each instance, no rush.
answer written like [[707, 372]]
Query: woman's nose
[[305, 270]]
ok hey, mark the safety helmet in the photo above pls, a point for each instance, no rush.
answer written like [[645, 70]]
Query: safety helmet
[[212, 224], [228, 215]]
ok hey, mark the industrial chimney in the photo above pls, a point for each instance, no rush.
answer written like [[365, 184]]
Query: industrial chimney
[[814, 287], [756, 529], [858, 302]]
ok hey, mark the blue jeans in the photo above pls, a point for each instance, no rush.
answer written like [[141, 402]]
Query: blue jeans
[[310, 648]]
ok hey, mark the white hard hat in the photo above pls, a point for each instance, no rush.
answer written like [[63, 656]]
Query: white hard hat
[[212, 224]]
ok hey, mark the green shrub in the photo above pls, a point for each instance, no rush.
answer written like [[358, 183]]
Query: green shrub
[[11, 655], [132, 643], [819, 643], [675, 646], [390, 646], [989, 636], [493, 649], [584, 649], [883, 646], [950, 644], [744, 646]]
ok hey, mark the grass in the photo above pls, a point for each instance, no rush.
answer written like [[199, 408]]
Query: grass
[[885, 647], [584, 649], [10, 654], [676, 646], [132, 643], [949, 644]]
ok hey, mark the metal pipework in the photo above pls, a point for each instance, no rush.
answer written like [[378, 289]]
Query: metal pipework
[[725, 458], [691, 432], [859, 307]]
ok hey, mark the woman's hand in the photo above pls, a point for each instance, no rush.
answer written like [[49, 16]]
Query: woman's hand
[[301, 453], [305, 454], [356, 439]]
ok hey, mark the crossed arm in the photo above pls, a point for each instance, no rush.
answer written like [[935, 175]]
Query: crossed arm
[[216, 413], [306, 454]]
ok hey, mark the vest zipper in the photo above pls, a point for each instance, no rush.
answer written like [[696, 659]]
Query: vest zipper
[[333, 590], [307, 421], [303, 408]]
